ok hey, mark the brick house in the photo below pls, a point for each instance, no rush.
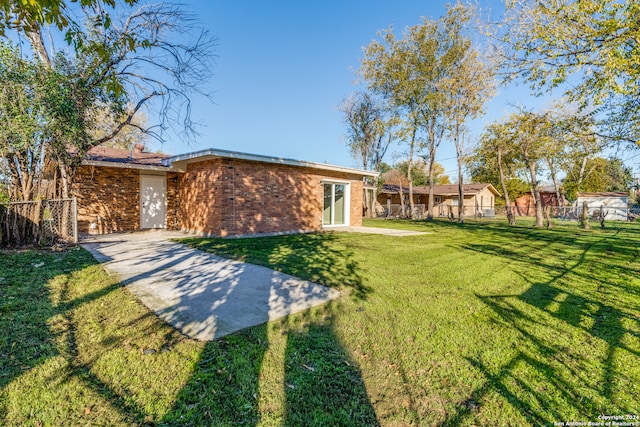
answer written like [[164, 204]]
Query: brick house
[[214, 193], [479, 198]]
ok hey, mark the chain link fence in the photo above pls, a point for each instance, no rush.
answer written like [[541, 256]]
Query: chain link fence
[[568, 213], [574, 213], [420, 211], [40, 223]]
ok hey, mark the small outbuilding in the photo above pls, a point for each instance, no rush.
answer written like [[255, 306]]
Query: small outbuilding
[[614, 204], [214, 193], [525, 205]]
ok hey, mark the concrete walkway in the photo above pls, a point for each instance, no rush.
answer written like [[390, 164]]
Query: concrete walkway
[[202, 295]]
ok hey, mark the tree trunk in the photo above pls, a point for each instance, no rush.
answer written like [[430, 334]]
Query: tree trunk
[[583, 166], [459, 148], [65, 180], [555, 184], [536, 193], [432, 161], [584, 216], [547, 215], [511, 219], [409, 164], [401, 198], [35, 37]]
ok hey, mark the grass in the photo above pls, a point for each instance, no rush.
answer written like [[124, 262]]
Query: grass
[[474, 324]]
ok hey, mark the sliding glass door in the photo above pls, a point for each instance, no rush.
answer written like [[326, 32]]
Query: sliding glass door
[[335, 204]]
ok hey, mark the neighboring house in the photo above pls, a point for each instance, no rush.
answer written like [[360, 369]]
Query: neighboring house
[[214, 193], [525, 205], [478, 199], [615, 204]]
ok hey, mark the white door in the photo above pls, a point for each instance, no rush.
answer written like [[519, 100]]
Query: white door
[[152, 201]]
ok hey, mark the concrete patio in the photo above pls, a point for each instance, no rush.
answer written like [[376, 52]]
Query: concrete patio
[[202, 295]]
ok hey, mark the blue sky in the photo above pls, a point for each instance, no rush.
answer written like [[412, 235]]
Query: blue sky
[[283, 67]]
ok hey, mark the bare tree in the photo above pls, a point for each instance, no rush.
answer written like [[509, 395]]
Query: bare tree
[[369, 134], [125, 64]]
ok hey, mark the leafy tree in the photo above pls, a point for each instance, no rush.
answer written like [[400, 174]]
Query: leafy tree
[[420, 172], [582, 145], [31, 16], [468, 85], [415, 74], [530, 136], [519, 144], [593, 42], [387, 67], [121, 66], [494, 160], [23, 98], [601, 175], [368, 133]]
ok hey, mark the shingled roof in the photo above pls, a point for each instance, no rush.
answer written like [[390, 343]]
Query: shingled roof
[[133, 157], [441, 190]]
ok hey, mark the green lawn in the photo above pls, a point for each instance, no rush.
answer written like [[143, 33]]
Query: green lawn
[[478, 324]]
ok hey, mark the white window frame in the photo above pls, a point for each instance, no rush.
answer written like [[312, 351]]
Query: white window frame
[[347, 203]]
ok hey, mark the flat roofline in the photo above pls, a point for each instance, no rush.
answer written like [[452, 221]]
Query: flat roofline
[[210, 152], [604, 194], [123, 165]]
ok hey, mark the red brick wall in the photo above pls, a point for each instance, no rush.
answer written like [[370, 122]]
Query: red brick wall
[[226, 197], [109, 198], [173, 200], [220, 197]]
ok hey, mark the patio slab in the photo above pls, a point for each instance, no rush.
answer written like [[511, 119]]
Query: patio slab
[[203, 296]]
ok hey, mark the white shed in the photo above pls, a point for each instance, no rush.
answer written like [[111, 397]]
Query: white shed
[[615, 204]]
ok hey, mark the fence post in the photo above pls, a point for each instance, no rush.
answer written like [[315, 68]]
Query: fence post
[[74, 211]]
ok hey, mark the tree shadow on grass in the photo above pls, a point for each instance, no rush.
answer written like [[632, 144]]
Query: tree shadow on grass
[[124, 370], [317, 257], [31, 310], [578, 330], [323, 385], [223, 389], [320, 385], [26, 306], [59, 314]]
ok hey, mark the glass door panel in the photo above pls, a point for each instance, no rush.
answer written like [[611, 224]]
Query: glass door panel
[[328, 204], [339, 204]]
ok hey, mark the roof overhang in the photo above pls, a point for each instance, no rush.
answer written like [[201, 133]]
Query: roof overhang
[[179, 163], [494, 190], [126, 165], [604, 194]]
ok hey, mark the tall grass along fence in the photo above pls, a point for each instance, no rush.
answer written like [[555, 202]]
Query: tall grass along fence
[[39, 222]]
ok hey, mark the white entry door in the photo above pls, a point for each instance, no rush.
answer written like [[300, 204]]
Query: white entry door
[[153, 205]]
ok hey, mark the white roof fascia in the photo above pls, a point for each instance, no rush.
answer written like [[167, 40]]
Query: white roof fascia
[[264, 159], [125, 165]]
